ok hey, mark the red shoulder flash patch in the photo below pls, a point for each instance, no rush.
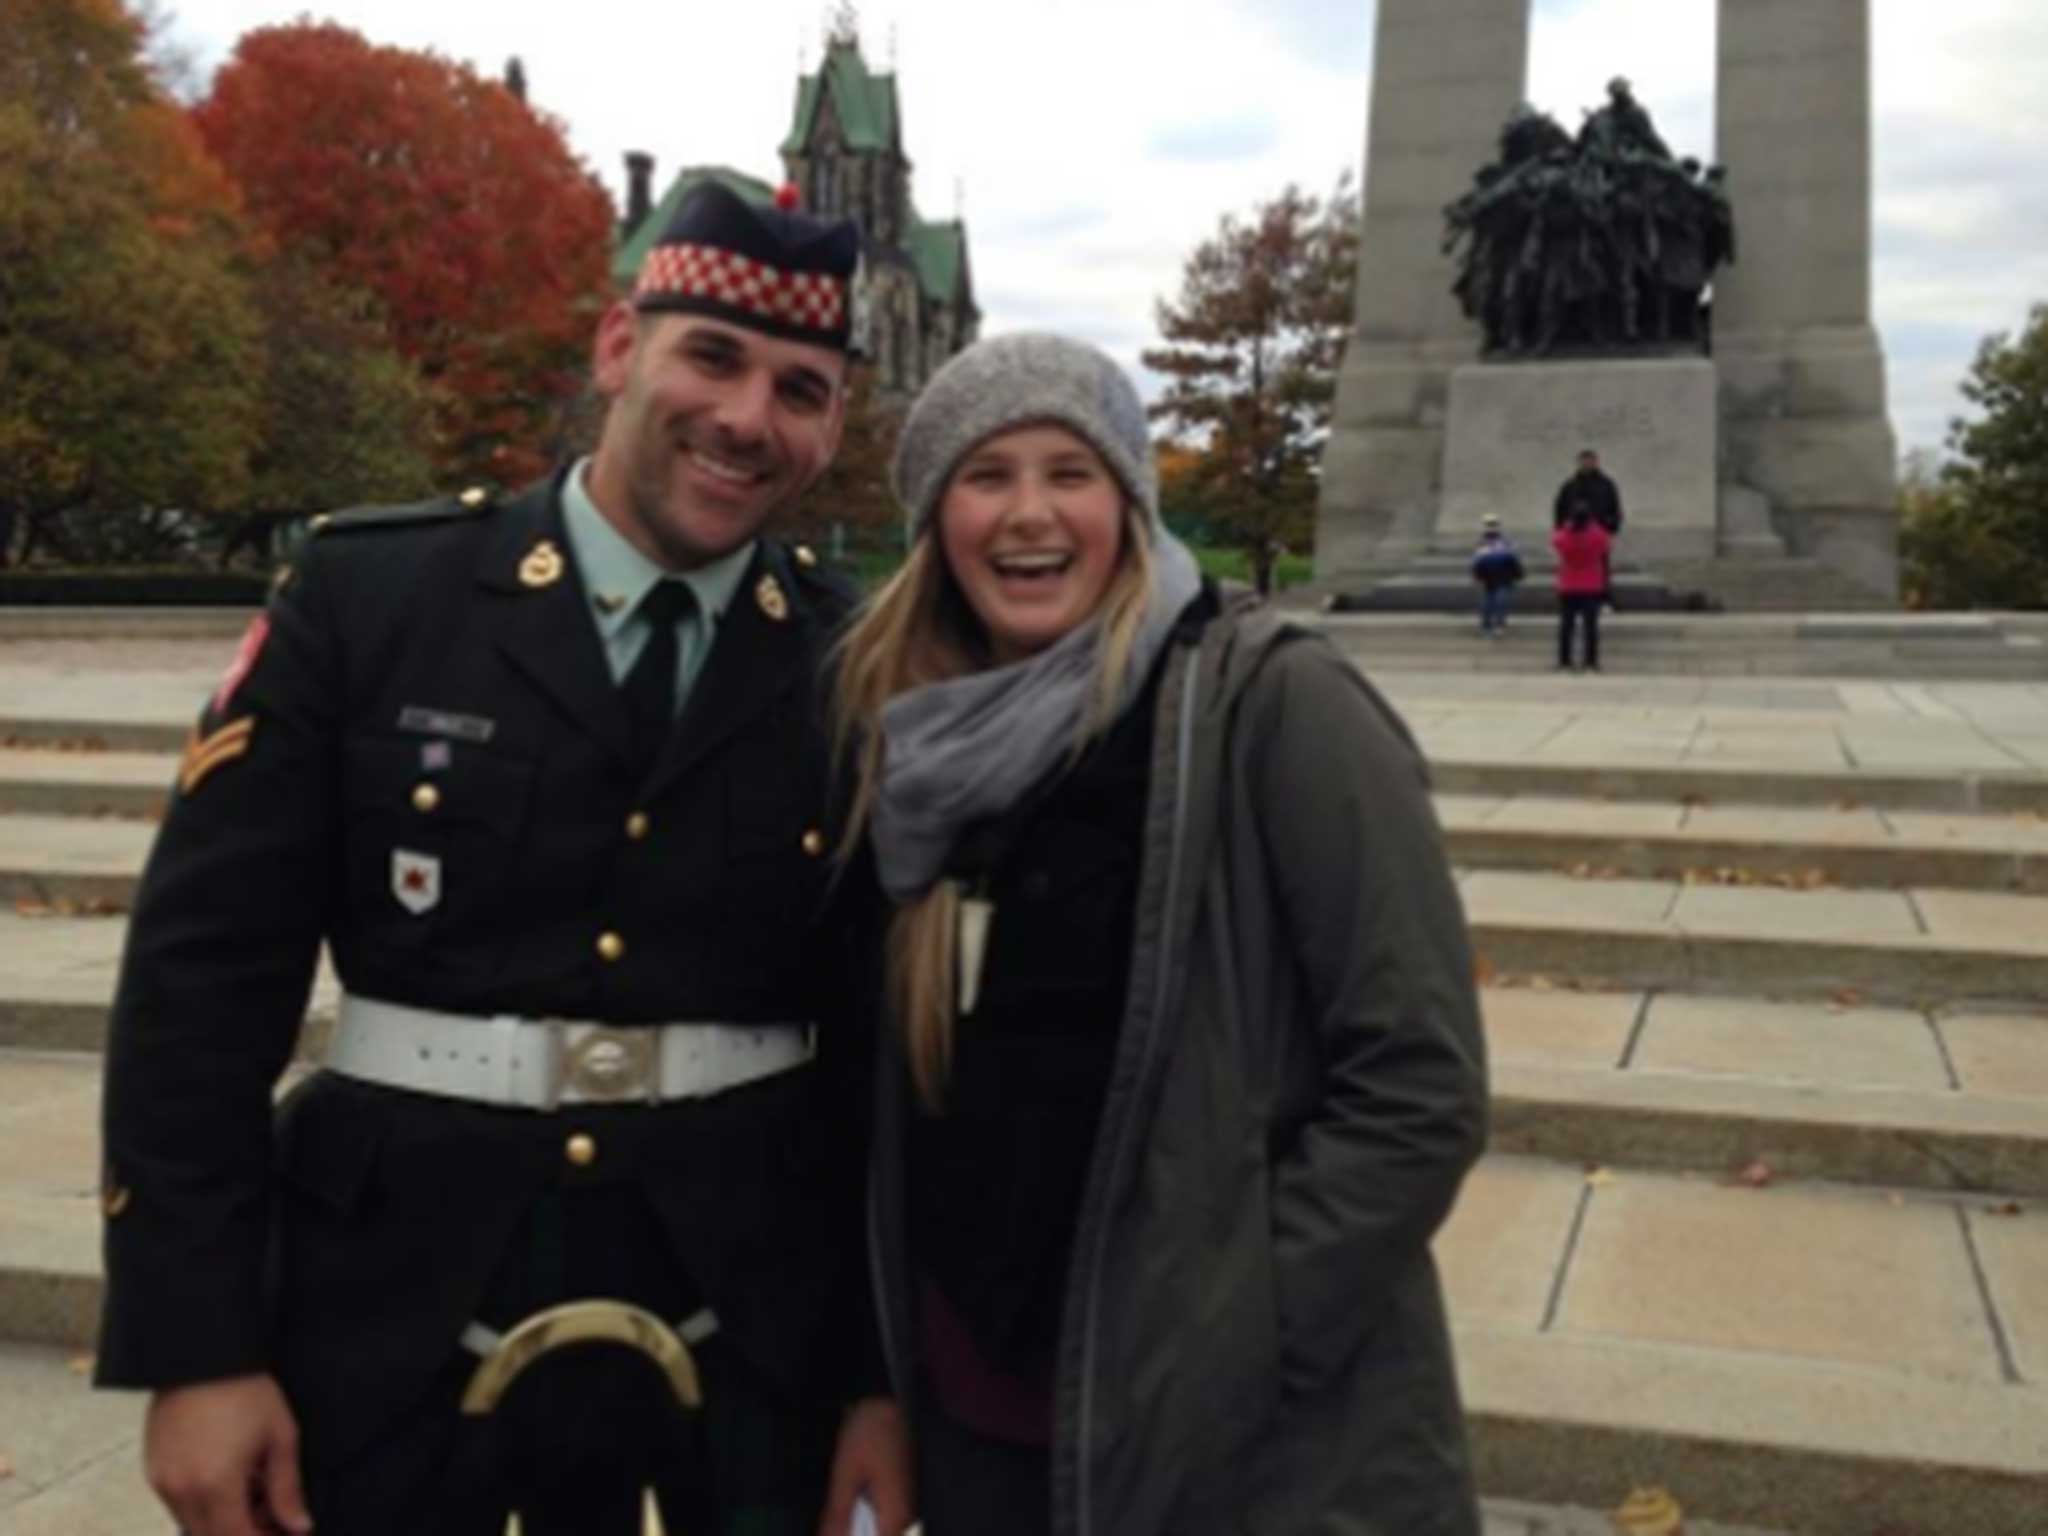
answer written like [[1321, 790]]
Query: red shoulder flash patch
[[245, 658]]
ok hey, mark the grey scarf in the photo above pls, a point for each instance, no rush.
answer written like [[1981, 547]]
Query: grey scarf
[[967, 748]]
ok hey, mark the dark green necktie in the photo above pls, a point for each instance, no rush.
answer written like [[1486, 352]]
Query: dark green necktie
[[650, 687]]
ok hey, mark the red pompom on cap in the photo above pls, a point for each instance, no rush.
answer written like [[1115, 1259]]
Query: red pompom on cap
[[787, 198]]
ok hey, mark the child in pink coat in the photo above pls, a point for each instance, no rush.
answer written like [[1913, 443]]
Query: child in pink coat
[[1583, 547]]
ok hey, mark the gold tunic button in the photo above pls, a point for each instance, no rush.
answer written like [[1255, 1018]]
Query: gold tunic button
[[814, 842], [638, 825], [580, 1149], [425, 798], [806, 556], [611, 947]]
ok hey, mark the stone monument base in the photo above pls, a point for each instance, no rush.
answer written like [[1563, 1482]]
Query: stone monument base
[[1516, 429]]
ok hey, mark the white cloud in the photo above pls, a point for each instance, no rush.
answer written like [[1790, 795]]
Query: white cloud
[[1053, 115]]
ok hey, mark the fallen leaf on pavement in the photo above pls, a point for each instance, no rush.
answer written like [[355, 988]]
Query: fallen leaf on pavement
[[1650, 1512], [1757, 1175], [1482, 970], [6, 1469], [81, 1365], [1598, 1177], [1847, 997], [1895, 1200], [2009, 1208]]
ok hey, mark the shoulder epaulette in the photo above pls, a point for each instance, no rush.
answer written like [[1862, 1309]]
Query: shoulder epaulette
[[441, 509], [832, 586]]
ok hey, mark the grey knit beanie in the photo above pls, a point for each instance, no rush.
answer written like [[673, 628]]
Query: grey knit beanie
[[1014, 381]]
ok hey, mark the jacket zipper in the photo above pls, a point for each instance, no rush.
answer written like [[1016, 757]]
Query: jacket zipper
[[1098, 1249]]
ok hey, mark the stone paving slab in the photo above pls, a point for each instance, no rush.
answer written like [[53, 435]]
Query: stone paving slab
[[1825, 1448], [1942, 1139], [2012, 1246], [1793, 1042], [102, 845], [1826, 914], [1961, 919], [1983, 918], [1564, 1028], [1998, 1053], [81, 784], [1504, 1246], [1834, 1045], [1502, 895], [1791, 1272]]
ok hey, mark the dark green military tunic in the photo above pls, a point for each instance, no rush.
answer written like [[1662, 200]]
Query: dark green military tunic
[[422, 758]]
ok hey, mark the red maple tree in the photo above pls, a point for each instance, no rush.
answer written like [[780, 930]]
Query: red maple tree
[[412, 178]]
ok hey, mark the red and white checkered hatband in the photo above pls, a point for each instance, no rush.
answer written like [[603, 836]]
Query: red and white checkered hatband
[[810, 300]]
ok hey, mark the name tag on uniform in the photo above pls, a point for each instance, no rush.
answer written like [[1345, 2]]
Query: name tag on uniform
[[441, 722]]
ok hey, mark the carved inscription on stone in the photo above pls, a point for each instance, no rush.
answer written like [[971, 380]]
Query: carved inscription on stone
[[1559, 427]]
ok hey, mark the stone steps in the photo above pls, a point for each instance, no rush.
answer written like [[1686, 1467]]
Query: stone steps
[[1766, 1351], [41, 781], [77, 1457], [68, 851], [1765, 1214], [45, 782], [1867, 646]]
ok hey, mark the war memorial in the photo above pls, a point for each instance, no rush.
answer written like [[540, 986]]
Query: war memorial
[[1759, 1246], [1750, 434]]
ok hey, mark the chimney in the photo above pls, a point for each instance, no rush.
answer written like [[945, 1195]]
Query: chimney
[[515, 77], [639, 189]]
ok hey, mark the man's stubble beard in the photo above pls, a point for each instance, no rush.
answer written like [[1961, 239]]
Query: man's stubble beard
[[646, 503]]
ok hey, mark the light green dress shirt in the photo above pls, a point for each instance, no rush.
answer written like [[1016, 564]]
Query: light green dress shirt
[[616, 577]]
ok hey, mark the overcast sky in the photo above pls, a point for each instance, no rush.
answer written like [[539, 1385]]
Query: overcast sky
[[1092, 143]]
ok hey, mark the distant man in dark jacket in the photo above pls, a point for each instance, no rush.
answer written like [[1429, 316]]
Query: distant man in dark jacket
[[1596, 488]]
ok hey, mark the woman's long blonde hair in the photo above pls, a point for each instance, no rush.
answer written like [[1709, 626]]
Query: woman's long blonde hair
[[919, 629]]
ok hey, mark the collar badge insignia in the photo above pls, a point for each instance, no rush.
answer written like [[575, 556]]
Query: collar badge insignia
[[542, 566]]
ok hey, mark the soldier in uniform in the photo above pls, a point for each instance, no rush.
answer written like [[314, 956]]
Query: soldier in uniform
[[547, 777]]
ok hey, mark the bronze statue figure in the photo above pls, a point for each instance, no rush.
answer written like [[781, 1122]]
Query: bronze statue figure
[[1597, 244]]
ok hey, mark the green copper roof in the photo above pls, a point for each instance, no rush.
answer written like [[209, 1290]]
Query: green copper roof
[[632, 251], [865, 102], [940, 251]]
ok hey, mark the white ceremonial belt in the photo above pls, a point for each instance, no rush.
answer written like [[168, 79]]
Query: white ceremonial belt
[[543, 1063]]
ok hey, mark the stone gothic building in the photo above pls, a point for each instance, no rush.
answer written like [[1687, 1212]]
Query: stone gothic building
[[844, 154]]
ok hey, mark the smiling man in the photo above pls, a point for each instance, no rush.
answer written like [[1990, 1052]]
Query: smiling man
[[548, 780]]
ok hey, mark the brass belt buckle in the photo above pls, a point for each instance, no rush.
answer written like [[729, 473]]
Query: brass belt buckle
[[605, 1065], [577, 1323]]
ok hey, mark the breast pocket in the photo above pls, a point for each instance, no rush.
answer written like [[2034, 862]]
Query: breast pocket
[[432, 835]]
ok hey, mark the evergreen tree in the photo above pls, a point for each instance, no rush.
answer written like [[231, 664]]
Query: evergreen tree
[[1976, 535]]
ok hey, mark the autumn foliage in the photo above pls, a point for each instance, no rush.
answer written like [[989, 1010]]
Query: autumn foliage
[[461, 210], [127, 341], [1253, 340]]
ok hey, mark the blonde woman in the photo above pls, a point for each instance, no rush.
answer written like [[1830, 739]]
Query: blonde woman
[[1186, 1062]]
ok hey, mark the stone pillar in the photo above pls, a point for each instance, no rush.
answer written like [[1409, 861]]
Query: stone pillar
[[1446, 75], [1801, 370]]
